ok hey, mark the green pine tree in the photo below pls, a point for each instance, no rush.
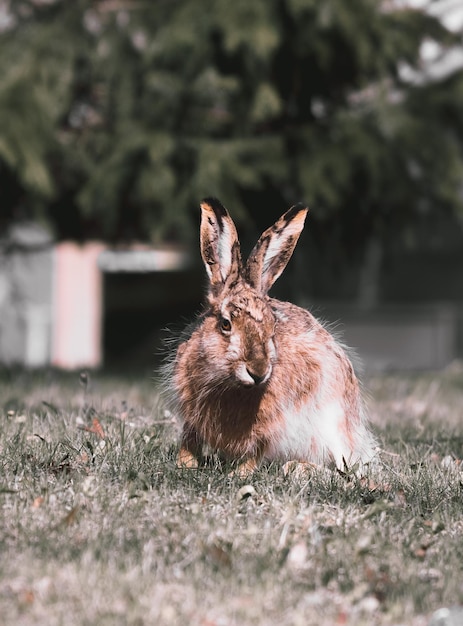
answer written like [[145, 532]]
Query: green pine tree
[[117, 117]]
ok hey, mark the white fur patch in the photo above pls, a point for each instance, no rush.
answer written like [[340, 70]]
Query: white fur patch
[[277, 241], [314, 435], [234, 346], [225, 244], [242, 374], [271, 350]]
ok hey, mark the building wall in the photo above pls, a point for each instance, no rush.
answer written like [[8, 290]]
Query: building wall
[[77, 306], [51, 305], [26, 306]]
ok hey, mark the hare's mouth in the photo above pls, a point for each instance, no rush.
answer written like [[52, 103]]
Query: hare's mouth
[[250, 377]]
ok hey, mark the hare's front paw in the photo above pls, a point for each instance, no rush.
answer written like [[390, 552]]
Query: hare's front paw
[[186, 460]]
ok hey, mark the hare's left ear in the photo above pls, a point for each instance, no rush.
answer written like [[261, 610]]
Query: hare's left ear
[[220, 247], [274, 249]]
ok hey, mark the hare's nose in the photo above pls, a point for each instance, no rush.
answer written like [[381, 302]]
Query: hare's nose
[[257, 378]]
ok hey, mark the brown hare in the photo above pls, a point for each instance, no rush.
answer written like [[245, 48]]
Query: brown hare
[[258, 378]]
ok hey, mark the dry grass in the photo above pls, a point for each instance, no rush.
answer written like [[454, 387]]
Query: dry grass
[[97, 526]]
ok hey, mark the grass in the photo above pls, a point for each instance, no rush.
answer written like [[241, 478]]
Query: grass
[[98, 526]]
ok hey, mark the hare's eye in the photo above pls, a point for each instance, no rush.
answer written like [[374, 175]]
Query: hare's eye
[[225, 325]]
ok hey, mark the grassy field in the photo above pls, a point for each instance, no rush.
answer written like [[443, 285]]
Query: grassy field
[[98, 526]]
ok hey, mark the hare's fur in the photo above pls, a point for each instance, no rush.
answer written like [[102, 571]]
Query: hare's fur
[[259, 378]]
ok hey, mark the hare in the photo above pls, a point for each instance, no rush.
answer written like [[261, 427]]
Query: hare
[[259, 378]]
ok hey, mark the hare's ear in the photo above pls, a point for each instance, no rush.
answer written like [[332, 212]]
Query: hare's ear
[[274, 249], [220, 248]]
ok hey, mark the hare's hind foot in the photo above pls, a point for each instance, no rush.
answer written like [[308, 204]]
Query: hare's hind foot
[[249, 465], [300, 469], [245, 469]]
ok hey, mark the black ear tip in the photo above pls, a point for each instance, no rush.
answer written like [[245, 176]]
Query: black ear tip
[[215, 205], [294, 210], [299, 206]]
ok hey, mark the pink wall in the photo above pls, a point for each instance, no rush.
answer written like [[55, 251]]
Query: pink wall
[[77, 306]]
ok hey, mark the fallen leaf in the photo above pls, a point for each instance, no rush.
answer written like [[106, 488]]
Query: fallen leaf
[[27, 596], [96, 428], [69, 519], [83, 458], [419, 553], [219, 554], [38, 502], [422, 549]]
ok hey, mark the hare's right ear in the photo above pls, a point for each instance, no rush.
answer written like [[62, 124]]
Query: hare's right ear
[[220, 248]]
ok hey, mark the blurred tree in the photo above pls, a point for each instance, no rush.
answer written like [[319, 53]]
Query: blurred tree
[[117, 116]]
